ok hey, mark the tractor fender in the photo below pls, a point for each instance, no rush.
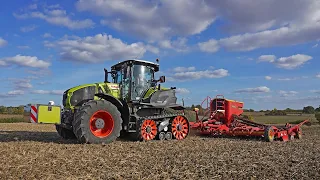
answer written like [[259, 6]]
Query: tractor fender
[[111, 99]]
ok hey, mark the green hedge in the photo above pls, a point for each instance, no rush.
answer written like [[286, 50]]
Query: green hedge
[[12, 120]]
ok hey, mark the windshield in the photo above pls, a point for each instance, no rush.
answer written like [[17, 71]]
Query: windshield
[[122, 77], [142, 77]]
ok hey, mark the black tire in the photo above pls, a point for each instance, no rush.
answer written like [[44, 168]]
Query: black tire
[[298, 134], [267, 131], [65, 133], [81, 123]]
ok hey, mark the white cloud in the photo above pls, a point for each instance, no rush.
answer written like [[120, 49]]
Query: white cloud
[[286, 79], [315, 91], [54, 6], [290, 62], [21, 84], [165, 44], [210, 46], [47, 35], [316, 45], [267, 58], [261, 89], [151, 19], [12, 93], [48, 44], [23, 47], [193, 75], [39, 72], [287, 93], [318, 75], [152, 49], [258, 28], [98, 48], [28, 28], [183, 69], [182, 91], [3, 42], [268, 77], [16, 92], [33, 6], [25, 61], [52, 92], [179, 45], [57, 16]]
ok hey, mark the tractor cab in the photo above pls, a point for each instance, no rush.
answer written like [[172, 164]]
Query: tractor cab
[[135, 78]]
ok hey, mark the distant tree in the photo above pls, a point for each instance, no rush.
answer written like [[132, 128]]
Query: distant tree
[[317, 109], [20, 109], [3, 110], [261, 111], [251, 110], [308, 110], [289, 110], [192, 107], [276, 112]]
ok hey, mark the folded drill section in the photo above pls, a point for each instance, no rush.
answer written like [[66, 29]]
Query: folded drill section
[[225, 117]]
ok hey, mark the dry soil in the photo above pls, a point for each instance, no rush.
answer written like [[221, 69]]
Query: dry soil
[[29, 151]]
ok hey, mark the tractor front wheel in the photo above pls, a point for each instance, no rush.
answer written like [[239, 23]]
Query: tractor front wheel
[[97, 122]]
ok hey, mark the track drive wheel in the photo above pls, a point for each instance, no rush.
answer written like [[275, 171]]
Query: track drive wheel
[[269, 134], [65, 133], [148, 130], [180, 127], [96, 122]]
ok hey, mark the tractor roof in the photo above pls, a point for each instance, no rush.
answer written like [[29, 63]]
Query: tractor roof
[[136, 61]]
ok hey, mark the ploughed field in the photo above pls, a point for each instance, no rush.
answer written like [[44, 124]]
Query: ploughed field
[[29, 151]]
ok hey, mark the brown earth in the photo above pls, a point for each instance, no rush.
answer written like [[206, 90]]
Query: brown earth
[[7, 116], [29, 151]]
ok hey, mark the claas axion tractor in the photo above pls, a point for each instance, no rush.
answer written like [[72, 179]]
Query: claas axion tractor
[[132, 104]]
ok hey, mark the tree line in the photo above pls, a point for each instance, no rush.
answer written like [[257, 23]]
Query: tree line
[[11, 110]]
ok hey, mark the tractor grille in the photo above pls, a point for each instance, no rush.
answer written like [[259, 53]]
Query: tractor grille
[[82, 95]]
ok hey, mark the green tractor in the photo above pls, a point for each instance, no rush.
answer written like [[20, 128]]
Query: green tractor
[[132, 104]]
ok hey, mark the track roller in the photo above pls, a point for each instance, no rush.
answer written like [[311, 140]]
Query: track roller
[[162, 136], [180, 127], [168, 136]]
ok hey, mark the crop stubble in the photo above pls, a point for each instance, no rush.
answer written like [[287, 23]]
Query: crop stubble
[[29, 151]]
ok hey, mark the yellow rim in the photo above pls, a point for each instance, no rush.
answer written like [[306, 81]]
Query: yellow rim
[[270, 134]]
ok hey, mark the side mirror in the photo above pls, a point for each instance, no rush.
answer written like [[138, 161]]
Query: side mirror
[[105, 75], [162, 79]]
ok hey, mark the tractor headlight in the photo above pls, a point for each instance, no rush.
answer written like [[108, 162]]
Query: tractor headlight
[[82, 95]]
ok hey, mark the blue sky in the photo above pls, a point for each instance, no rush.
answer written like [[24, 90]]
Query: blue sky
[[263, 53]]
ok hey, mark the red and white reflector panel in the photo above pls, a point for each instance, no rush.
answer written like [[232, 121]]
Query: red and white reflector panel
[[34, 114]]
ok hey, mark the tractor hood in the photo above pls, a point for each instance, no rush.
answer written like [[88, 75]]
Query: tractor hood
[[77, 95]]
